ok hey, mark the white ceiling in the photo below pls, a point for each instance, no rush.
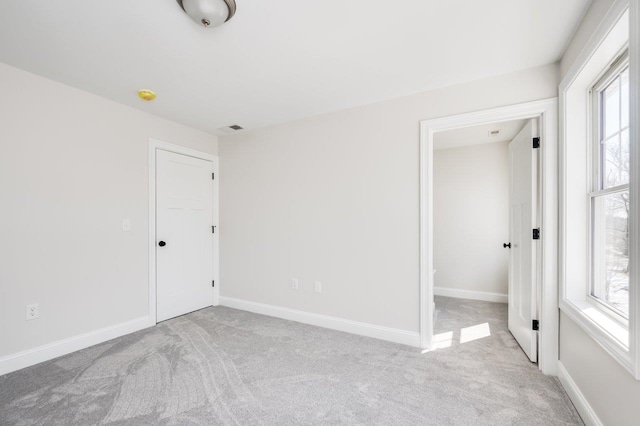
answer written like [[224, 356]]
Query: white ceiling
[[276, 61], [477, 135]]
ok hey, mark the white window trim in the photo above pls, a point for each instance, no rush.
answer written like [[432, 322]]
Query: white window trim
[[621, 343]]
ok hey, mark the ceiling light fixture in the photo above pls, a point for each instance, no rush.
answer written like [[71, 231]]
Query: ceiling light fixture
[[209, 13]]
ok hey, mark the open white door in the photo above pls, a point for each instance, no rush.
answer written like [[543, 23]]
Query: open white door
[[184, 234], [523, 254]]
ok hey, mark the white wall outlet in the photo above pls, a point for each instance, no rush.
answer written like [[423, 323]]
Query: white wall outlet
[[295, 284], [317, 286], [33, 311], [126, 225]]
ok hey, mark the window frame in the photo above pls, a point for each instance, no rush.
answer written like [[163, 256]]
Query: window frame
[[596, 176], [575, 168]]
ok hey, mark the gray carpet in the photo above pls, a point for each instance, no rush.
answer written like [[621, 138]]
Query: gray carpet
[[221, 366]]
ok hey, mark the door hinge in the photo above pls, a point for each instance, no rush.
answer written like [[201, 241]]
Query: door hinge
[[536, 143], [536, 234], [213, 176], [213, 229], [213, 283], [535, 325]]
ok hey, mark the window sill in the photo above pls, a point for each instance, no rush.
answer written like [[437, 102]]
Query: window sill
[[610, 334]]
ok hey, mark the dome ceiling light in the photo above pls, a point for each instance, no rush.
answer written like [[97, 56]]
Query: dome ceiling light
[[209, 13]]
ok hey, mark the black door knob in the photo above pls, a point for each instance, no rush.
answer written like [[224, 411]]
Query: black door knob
[[505, 245], [162, 244]]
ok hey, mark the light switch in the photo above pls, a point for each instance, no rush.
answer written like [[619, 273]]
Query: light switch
[[126, 225]]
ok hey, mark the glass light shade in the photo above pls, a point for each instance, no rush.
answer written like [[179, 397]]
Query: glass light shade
[[209, 13]]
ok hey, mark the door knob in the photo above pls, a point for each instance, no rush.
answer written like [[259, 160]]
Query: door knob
[[162, 244], [505, 245]]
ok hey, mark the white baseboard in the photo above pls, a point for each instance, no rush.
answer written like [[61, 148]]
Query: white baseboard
[[589, 416], [53, 350], [469, 294], [363, 329]]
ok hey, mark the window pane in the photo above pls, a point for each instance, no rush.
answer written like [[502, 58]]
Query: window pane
[[611, 250], [615, 153], [624, 88], [611, 106]]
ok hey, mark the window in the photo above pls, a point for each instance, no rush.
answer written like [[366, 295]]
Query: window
[[609, 199], [599, 215]]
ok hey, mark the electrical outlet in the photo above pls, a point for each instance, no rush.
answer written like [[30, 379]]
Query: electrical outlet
[[295, 284], [317, 287], [33, 311]]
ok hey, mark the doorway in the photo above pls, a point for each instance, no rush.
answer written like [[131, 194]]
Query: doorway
[[183, 234], [484, 191], [544, 285]]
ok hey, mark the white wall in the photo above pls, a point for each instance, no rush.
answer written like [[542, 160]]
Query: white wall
[[335, 198], [609, 389], [583, 33], [611, 392], [471, 217], [72, 166]]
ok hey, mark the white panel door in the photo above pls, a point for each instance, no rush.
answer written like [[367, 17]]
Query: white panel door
[[184, 238], [522, 218]]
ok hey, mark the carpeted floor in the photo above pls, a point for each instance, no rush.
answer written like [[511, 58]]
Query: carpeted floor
[[221, 366]]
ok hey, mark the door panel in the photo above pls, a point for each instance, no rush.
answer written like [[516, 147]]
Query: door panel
[[184, 211], [522, 221]]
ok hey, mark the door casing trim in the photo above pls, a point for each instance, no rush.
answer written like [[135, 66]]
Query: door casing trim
[[546, 111], [154, 146]]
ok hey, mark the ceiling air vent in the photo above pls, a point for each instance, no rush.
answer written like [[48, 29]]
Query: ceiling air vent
[[494, 133], [230, 129]]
